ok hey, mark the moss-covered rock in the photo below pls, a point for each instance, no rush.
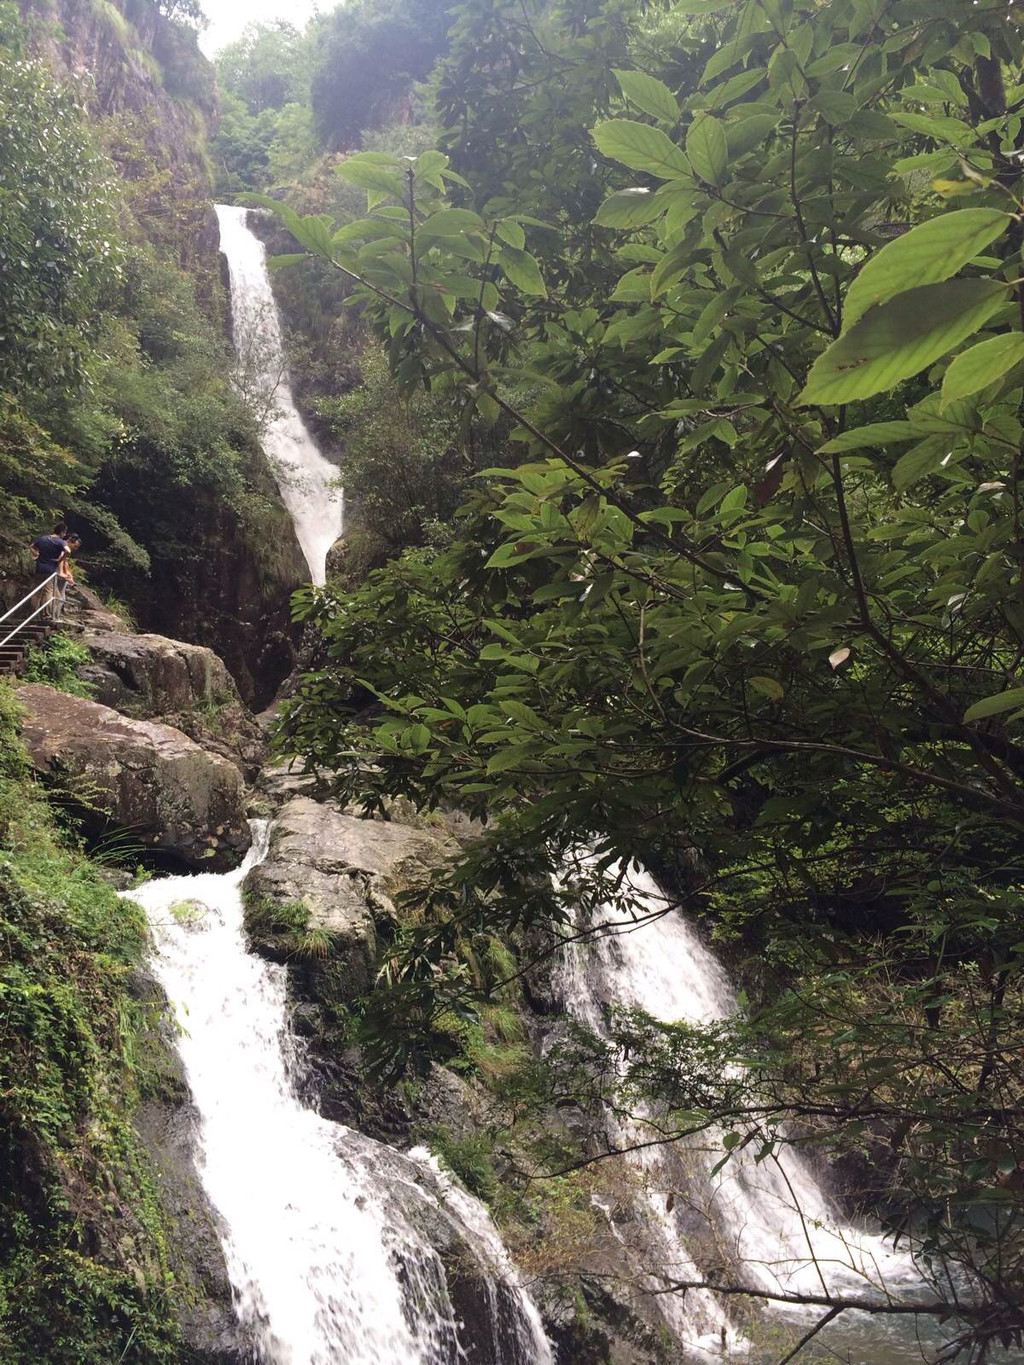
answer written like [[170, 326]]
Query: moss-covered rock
[[186, 686], [142, 777], [327, 881]]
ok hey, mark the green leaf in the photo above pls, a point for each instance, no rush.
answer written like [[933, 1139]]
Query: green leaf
[[371, 177], [982, 365], [641, 147], [522, 270], [707, 148], [938, 128], [930, 252], [451, 223], [629, 208], [289, 258], [900, 338], [651, 95], [874, 434], [418, 737], [768, 687], [747, 133], [834, 106], [992, 706], [924, 458]]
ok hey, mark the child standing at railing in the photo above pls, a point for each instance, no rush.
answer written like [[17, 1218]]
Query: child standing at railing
[[65, 574]]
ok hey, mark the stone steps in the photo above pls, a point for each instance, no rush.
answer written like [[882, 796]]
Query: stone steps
[[12, 655]]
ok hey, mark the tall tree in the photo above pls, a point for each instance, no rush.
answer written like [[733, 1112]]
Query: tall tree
[[757, 593]]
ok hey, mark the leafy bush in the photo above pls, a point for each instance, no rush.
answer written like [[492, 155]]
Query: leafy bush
[[56, 662], [85, 1271]]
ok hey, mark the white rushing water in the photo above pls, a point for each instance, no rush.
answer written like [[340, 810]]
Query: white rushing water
[[329, 1237], [772, 1216], [307, 482]]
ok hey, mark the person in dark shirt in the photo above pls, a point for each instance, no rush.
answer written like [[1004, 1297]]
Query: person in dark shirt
[[48, 551]]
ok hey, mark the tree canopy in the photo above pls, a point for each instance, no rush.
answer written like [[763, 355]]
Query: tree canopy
[[748, 606]]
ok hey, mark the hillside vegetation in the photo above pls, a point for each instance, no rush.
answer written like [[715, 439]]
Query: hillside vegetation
[[736, 289]]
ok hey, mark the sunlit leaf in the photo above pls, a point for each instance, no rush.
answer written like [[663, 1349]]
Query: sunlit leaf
[[928, 253], [898, 339]]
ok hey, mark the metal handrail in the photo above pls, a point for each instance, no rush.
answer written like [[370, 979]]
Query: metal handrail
[[28, 596], [28, 619]]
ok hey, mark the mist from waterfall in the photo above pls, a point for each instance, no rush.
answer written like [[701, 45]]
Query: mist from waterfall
[[771, 1218], [325, 1232], [307, 482]]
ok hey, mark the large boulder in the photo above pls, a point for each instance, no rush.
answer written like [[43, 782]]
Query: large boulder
[[154, 674], [332, 876], [145, 778], [187, 686]]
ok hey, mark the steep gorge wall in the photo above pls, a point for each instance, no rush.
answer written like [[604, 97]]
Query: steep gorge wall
[[151, 98]]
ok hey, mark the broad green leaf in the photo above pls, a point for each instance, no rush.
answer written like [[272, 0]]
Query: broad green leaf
[[928, 253], [370, 177], [768, 687], [430, 164], [289, 258], [522, 270], [982, 365], [923, 459], [874, 434], [641, 147], [992, 706], [834, 106], [707, 148], [900, 338], [629, 208], [418, 737], [649, 94], [512, 232], [937, 127], [451, 223], [747, 133]]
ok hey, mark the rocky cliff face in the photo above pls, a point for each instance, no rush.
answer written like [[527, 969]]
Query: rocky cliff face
[[152, 98], [148, 780], [144, 76]]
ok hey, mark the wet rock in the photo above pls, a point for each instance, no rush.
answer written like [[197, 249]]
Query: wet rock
[[335, 875], [184, 685], [147, 779], [478, 1298], [87, 610]]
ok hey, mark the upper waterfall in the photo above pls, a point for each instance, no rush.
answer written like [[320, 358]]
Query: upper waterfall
[[308, 483]]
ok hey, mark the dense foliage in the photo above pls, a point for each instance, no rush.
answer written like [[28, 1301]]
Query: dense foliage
[[85, 1273], [755, 594], [265, 132], [116, 406], [370, 55]]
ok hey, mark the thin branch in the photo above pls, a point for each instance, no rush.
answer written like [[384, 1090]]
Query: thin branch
[[809, 1336]]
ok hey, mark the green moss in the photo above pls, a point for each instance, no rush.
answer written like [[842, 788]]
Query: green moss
[[113, 20], [85, 1271], [277, 928]]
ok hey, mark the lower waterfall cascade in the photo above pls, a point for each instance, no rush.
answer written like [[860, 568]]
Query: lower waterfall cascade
[[307, 482], [772, 1216], [322, 1227]]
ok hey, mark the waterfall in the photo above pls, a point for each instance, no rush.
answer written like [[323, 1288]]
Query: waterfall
[[331, 1239], [307, 482], [772, 1217]]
